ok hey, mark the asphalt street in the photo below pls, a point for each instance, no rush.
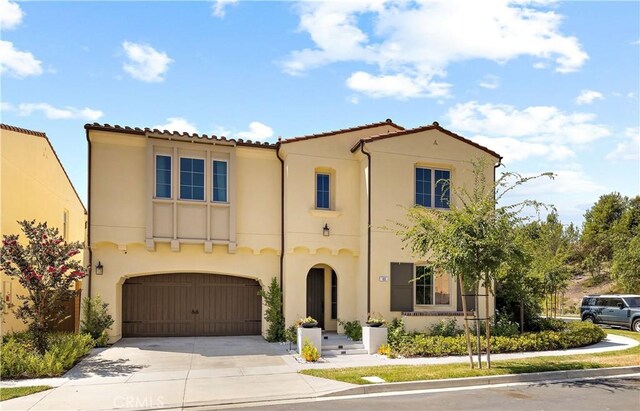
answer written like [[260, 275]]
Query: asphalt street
[[618, 394]]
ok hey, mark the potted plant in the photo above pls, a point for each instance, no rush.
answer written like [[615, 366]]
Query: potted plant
[[375, 320], [308, 322]]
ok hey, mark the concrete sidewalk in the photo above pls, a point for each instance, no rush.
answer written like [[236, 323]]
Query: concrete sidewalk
[[172, 373]]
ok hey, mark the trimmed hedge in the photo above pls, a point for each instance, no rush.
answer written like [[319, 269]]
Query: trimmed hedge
[[20, 359], [575, 334]]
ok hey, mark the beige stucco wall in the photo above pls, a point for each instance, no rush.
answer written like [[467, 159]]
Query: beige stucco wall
[[122, 181], [393, 192], [121, 205], [33, 186]]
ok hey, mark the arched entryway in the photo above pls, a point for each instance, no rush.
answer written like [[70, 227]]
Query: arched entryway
[[322, 296], [190, 304]]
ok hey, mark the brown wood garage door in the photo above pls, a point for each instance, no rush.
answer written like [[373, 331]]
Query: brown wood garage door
[[190, 304]]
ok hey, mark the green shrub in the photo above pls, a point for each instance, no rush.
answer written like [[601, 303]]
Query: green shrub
[[273, 313], [20, 359], [291, 334], [352, 329], [395, 332], [576, 334], [548, 324], [309, 351], [445, 328], [503, 326], [96, 319]]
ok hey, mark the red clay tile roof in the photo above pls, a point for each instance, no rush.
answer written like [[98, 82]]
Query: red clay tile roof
[[141, 131], [434, 126], [43, 135], [22, 130], [387, 122]]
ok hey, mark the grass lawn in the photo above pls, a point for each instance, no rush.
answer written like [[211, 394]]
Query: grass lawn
[[15, 392], [399, 373]]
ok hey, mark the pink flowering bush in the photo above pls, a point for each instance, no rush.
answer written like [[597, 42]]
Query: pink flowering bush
[[46, 269]]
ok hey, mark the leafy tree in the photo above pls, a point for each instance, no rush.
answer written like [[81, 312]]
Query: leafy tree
[[273, 314], [519, 291], [45, 267], [626, 266], [473, 239], [598, 234], [550, 255]]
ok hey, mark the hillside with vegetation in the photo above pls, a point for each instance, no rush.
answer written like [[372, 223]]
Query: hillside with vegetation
[[558, 264]]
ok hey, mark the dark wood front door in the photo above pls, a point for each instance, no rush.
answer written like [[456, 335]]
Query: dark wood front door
[[188, 304], [315, 295]]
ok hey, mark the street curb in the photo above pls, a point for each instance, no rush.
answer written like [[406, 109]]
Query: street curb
[[489, 380]]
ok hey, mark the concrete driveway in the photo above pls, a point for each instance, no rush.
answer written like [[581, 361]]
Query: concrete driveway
[[176, 372]]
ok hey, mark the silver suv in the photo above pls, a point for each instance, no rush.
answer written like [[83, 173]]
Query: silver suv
[[622, 310]]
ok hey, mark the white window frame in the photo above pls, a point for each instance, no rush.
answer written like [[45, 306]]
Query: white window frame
[[155, 177], [213, 181], [328, 174], [433, 288], [204, 186], [432, 170]]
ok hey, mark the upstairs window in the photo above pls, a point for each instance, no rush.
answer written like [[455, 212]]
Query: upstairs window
[[191, 178], [323, 200], [220, 181], [163, 176], [432, 187]]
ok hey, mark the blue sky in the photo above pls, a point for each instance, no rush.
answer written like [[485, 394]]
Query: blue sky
[[552, 86]]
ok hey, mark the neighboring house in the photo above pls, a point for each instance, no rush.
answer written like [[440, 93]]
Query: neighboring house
[[35, 186], [186, 229]]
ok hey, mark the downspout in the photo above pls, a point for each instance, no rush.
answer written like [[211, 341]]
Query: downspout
[[368, 228], [89, 213], [278, 145]]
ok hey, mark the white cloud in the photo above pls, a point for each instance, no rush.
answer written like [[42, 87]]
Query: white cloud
[[565, 182], [537, 131], [257, 131], [411, 44], [540, 124], [178, 124], [10, 15], [18, 63], [588, 97], [629, 149], [219, 6], [398, 86], [516, 150], [490, 81], [54, 113], [145, 63]]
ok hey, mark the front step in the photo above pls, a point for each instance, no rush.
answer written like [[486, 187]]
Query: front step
[[336, 353], [351, 345], [334, 345]]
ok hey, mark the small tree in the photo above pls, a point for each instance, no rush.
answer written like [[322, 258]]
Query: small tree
[[473, 239], [273, 314], [96, 319], [46, 269]]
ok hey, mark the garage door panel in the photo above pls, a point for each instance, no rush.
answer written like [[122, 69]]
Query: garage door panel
[[187, 304]]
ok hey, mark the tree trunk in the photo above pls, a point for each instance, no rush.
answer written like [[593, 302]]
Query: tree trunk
[[521, 317], [487, 324], [478, 343], [467, 332]]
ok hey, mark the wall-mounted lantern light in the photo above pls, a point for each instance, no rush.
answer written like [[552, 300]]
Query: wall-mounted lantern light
[[325, 230], [99, 268]]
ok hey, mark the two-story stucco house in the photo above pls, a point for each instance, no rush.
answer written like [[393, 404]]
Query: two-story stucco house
[[185, 229], [35, 186]]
